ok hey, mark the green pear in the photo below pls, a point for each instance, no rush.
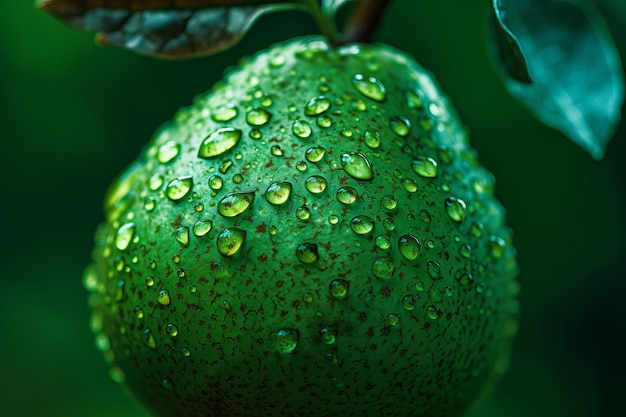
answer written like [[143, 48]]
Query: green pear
[[311, 237]]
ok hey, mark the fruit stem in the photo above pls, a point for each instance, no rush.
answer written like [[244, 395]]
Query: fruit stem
[[325, 20], [364, 21]]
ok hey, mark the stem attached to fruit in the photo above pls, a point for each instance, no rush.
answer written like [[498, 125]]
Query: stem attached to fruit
[[364, 21]]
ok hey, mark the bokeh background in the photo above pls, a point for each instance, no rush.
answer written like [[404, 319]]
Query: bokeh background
[[73, 115]]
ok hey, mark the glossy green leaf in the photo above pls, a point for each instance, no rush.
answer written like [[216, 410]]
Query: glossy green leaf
[[507, 47], [577, 78], [166, 28]]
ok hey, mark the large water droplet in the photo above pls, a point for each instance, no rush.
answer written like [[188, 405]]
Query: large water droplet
[[202, 227], [219, 142], [258, 116], [409, 246], [317, 106], [434, 270], [315, 154], [400, 125], [178, 188], [316, 184], [182, 235], [303, 213], [278, 193], [433, 312], [389, 202], [225, 113], [285, 340], [347, 195], [339, 288], [163, 297], [357, 166], [301, 128], [362, 225], [125, 235], [371, 138], [425, 167], [455, 207], [167, 152], [234, 204], [383, 268], [307, 253], [370, 87], [230, 241]]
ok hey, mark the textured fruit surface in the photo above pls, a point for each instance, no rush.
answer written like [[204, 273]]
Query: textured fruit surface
[[312, 237]]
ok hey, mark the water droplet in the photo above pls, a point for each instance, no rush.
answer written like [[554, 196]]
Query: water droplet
[[409, 301], [301, 166], [333, 219], [149, 281], [328, 336], [149, 204], [301, 128], [102, 342], [410, 185], [233, 204], [125, 235], [315, 154], [117, 374], [425, 167], [465, 278], [393, 319], [465, 251], [339, 289], [435, 294], [276, 150], [370, 87], [347, 195], [219, 142], [278, 193], [409, 246], [414, 99], [316, 184], [357, 166], [255, 134], [498, 247], [434, 269], [178, 188], [163, 297], [258, 116], [171, 329], [155, 182], [317, 106], [324, 121], [372, 139], [182, 235], [307, 253], [167, 152], [185, 351], [148, 339], [455, 208], [285, 340], [138, 312], [433, 312], [400, 125], [303, 213], [225, 113], [389, 202], [202, 227], [362, 225], [230, 241], [389, 224], [383, 268], [424, 216], [383, 241]]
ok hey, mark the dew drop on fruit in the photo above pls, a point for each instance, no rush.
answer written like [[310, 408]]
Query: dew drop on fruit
[[317, 106], [328, 335], [455, 208], [433, 312], [425, 216], [465, 278], [414, 99], [324, 121], [230, 240], [117, 374], [255, 134], [465, 251], [155, 182], [389, 202], [163, 298], [225, 113], [435, 294], [138, 312], [148, 339], [315, 154], [371, 138], [182, 235], [234, 204], [303, 213], [338, 289], [216, 182], [497, 246], [185, 351], [347, 195], [219, 142], [362, 225], [171, 329], [389, 224], [102, 342], [276, 150], [409, 246], [333, 219], [307, 253], [149, 204], [301, 166], [178, 188], [119, 291], [149, 281], [278, 192], [409, 184], [301, 128], [125, 235], [434, 269], [382, 241], [383, 268], [370, 87], [409, 301], [400, 125], [285, 340], [316, 184], [393, 319], [90, 278], [425, 167], [258, 116], [357, 166], [167, 152]]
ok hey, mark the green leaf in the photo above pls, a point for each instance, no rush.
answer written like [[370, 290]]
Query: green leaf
[[576, 77], [508, 49], [166, 28]]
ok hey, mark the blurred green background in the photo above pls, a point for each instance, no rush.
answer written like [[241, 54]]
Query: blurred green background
[[73, 115]]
